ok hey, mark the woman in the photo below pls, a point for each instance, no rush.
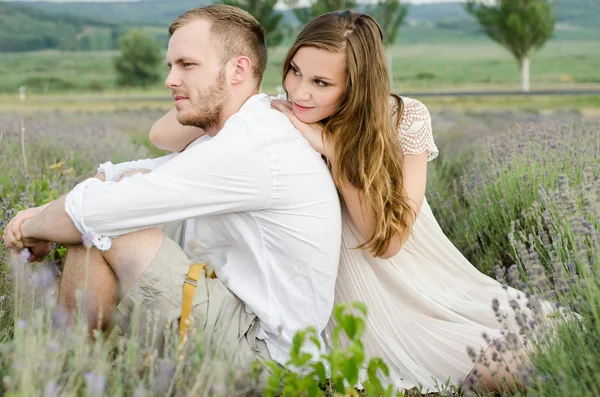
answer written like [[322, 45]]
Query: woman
[[426, 302]]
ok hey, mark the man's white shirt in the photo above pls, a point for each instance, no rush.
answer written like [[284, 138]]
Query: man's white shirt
[[263, 208]]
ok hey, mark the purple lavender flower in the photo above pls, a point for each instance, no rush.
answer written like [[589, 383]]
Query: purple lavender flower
[[95, 383]]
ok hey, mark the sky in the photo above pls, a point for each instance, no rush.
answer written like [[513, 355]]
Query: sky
[[107, 1]]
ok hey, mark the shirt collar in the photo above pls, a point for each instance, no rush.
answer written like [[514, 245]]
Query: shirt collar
[[253, 100]]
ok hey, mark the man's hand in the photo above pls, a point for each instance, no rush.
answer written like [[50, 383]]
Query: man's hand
[[13, 238], [133, 172]]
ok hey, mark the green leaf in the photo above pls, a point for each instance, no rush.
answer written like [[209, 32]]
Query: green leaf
[[351, 371], [361, 306], [320, 372], [349, 325]]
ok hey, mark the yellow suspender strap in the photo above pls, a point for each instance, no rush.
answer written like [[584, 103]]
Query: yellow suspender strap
[[189, 287]]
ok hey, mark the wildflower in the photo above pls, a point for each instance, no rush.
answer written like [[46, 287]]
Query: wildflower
[[95, 383], [496, 305], [53, 346], [472, 353], [498, 345], [51, 389], [140, 392], [24, 256], [219, 389]]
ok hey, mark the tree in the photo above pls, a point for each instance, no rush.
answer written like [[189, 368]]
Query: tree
[[389, 14], [318, 7], [140, 56], [265, 13], [520, 26]]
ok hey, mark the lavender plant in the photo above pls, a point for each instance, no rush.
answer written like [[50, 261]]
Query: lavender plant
[[500, 182]]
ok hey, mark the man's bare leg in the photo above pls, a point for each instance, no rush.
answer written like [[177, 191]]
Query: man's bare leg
[[100, 296], [110, 273]]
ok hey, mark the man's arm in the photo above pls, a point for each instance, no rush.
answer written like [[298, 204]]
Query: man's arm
[[12, 234], [229, 174], [114, 172], [52, 224]]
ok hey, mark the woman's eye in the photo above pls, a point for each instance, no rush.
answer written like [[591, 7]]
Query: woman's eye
[[295, 71], [186, 64], [321, 83]]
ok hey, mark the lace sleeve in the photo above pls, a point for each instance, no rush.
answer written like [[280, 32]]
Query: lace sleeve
[[278, 97], [415, 129]]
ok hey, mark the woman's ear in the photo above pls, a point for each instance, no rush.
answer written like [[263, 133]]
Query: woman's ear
[[242, 69]]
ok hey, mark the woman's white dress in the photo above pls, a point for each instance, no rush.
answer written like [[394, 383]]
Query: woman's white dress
[[426, 304]]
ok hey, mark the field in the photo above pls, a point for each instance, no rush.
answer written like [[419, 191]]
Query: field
[[512, 189], [472, 63], [516, 188]]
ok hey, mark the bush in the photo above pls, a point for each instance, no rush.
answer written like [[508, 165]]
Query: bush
[[139, 59]]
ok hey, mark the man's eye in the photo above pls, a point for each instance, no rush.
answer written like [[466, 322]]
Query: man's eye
[[187, 64]]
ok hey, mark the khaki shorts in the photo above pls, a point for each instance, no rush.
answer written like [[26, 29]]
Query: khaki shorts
[[156, 301]]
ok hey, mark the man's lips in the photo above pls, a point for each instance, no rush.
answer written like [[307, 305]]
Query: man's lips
[[301, 108], [178, 98]]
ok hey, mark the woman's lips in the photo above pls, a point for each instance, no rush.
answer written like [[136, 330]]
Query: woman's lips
[[299, 108]]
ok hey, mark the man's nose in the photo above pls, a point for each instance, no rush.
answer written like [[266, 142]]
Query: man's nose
[[173, 79]]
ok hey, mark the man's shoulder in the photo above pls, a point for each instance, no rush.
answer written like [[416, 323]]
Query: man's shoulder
[[266, 121]]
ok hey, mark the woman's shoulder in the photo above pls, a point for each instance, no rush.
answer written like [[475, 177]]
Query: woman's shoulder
[[411, 108], [414, 128]]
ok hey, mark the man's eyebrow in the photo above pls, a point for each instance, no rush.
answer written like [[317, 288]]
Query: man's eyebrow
[[182, 60], [315, 77]]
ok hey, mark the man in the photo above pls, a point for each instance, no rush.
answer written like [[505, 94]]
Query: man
[[264, 208]]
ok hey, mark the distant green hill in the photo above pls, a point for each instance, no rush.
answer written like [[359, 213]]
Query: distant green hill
[[147, 12], [97, 26], [24, 29], [576, 19]]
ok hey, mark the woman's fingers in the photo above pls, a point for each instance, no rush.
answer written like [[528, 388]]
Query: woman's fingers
[[282, 106]]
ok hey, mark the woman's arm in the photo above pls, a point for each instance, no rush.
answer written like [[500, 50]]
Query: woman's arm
[[415, 178], [168, 134], [414, 171]]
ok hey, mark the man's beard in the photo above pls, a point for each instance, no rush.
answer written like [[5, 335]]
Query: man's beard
[[209, 110]]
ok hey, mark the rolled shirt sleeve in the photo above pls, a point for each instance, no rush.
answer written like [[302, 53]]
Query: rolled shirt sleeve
[[113, 172], [229, 173]]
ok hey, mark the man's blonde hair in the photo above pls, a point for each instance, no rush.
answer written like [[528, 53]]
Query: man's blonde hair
[[237, 32]]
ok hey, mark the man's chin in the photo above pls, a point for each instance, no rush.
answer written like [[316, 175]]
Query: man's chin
[[184, 119]]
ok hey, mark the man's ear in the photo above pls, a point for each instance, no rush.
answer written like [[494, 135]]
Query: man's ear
[[242, 70]]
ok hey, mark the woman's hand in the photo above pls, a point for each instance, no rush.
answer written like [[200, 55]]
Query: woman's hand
[[312, 132], [133, 172]]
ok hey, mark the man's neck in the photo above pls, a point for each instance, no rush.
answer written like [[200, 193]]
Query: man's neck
[[232, 107]]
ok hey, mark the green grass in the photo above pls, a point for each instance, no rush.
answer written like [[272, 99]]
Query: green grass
[[469, 63], [479, 64]]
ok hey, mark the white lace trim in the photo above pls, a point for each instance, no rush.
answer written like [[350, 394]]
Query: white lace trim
[[415, 131]]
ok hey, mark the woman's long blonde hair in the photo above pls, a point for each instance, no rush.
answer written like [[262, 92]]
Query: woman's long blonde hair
[[365, 141]]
